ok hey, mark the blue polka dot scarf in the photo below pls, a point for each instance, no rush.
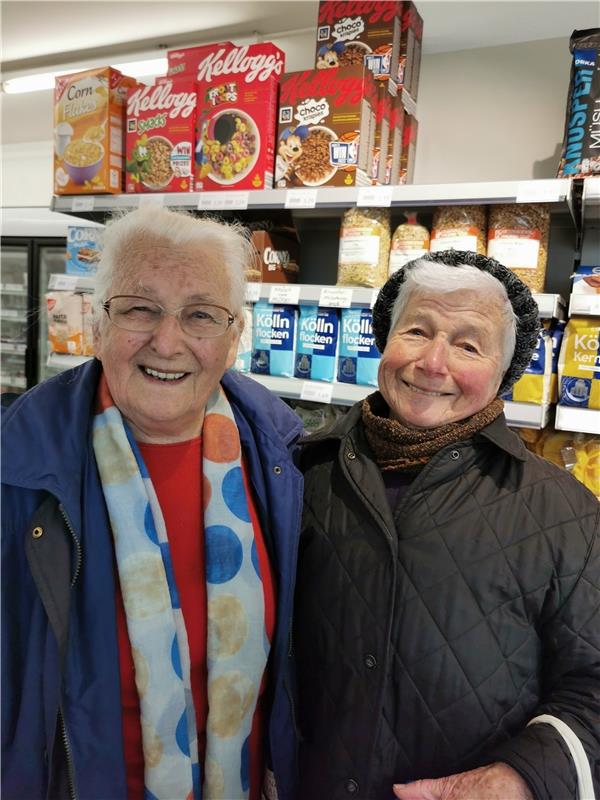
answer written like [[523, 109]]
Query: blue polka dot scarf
[[237, 643]]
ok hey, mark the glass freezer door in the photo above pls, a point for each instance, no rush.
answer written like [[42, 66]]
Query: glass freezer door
[[13, 318], [51, 260]]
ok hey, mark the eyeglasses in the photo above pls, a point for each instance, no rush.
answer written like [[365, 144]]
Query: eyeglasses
[[140, 315]]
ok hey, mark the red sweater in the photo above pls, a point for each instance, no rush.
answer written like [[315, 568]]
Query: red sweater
[[175, 470]]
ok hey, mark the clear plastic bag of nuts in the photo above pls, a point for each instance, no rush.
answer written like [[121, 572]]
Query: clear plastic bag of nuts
[[364, 247], [518, 238], [459, 228]]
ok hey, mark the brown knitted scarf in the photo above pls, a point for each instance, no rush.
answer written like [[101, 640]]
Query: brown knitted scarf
[[397, 447]]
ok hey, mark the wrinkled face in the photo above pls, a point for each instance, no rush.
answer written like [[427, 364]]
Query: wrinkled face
[[443, 360], [167, 407]]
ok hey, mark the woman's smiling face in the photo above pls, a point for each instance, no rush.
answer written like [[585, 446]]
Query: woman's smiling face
[[443, 361], [161, 381]]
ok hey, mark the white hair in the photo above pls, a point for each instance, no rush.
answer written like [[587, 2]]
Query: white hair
[[439, 278], [126, 231]]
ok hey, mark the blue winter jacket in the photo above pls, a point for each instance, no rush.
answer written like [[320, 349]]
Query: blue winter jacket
[[61, 703]]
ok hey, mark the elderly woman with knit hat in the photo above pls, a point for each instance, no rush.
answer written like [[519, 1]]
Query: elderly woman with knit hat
[[446, 623]]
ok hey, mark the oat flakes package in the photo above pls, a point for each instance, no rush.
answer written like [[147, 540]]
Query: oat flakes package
[[518, 238], [364, 247], [459, 228]]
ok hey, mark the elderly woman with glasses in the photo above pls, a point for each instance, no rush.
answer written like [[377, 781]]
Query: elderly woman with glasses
[[150, 511]]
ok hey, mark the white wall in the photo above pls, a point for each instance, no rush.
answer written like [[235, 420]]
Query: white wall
[[488, 114]]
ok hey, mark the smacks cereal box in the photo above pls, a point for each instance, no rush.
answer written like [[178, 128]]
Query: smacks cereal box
[[89, 111], [161, 131], [325, 128], [356, 33]]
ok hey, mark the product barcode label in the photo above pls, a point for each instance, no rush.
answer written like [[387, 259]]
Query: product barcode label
[[252, 292]]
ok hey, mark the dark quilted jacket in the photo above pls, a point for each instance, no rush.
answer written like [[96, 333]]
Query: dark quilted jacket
[[426, 642]]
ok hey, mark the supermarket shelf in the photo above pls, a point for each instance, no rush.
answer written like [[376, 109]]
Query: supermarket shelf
[[586, 420], [556, 191], [73, 283], [526, 415], [65, 361], [13, 347], [584, 304], [10, 380], [311, 294], [591, 192], [345, 394], [550, 305]]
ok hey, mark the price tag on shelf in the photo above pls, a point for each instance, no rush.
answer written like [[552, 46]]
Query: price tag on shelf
[[62, 282], [222, 201], [375, 196], [284, 294], [335, 297], [301, 198], [252, 292], [151, 200], [540, 191], [14, 287], [83, 204], [316, 391]]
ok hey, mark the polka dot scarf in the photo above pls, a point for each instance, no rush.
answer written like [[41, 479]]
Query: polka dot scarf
[[237, 644]]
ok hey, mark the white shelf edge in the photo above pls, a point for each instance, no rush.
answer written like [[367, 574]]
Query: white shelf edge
[[591, 191], [342, 393], [66, 361], [9, 347], [556, 190], [550, 305], [584, 305], [310, 293], [583, 420], [73, 283], [526, 415]]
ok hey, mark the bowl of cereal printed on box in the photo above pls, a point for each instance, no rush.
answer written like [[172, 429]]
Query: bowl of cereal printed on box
[[230, 145], [157, 168], [313, 167], [82, 160]]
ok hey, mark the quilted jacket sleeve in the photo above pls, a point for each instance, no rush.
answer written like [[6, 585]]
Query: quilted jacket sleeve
[[570, 634]]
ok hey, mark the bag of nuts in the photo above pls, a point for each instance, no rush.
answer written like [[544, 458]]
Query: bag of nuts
[[364, 247], [410, 241], [459, 228], [518, 238]]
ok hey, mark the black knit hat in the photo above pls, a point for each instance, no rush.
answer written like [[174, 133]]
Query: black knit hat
[[524, 306]]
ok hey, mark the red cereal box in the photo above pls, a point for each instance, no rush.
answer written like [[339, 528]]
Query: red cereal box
[[161, 130], [392, 175], [227, 61], [409, 60], [357, 32], [325, 127]]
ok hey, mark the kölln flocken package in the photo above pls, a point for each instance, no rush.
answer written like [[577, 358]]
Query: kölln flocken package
[[579, 364]]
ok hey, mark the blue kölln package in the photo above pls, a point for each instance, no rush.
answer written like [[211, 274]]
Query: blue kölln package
[[273, 339], [317, 343], [84, 245], [358, 359]]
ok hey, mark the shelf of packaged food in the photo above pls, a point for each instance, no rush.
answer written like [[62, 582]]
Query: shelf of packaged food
[[584, 420], [556, 191], [66, 361], [526, 415], [13, 347], [345, 394], [584, 305], [72, 283], [311, 294], [16, 381]]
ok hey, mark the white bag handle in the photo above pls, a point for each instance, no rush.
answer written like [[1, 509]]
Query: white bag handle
[[585, 786]]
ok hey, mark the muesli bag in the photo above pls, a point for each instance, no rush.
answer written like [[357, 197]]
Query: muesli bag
[[364, 247]]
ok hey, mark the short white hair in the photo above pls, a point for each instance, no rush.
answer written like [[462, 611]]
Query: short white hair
[[126, 230], [438, 278]]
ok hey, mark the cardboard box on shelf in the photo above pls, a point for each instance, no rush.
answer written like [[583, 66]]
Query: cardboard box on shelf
[[161, 136], [382, 142], [392, 176], [89, 108], [351, 33], [409, 61], [83, 249], [226, 61], [276, 258], [409, 148], [324, 130]]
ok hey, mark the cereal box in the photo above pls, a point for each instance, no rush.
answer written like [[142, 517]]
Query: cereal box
[[161, 132], [253, 63], [65, 323], [392, 174], [586, 280], [89, 109], [84, 245], [273, 339], [351, 33], [409, 60], [579, 364], [275, 258], [409, 149], [382, 145], [325, 125]]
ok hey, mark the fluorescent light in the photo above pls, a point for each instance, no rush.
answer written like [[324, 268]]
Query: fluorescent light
[[45, 80]]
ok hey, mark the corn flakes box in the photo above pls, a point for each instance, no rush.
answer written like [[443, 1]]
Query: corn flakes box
[[89, 110], [579, 364], [161, 135]]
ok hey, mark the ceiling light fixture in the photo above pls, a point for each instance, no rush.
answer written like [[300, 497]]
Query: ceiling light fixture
[[148, 68]]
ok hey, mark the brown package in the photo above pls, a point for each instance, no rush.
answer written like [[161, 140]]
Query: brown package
[[409, 59], [275, 259], [409, 149], [325, 122], [382, 145]]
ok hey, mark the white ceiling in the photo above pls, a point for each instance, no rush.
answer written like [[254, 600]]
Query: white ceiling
[[43, 33]]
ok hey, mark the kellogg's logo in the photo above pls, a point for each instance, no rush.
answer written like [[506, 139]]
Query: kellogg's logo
[[322, 83], [371, 13], [253, 66], [161, 98]]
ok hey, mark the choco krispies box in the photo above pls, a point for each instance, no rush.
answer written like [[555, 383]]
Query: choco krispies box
[[237, 107], [325, 127], [350, 33], [160, 136]]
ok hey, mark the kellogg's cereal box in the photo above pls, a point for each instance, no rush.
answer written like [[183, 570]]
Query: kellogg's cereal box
[[409, 61], [161, 132], [89, 111], [409, 149], [224, 60], [350, 33], [382, 144], [325, 127]]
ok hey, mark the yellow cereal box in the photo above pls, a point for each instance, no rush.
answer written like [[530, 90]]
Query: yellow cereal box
[[65, 322], [89, 110], [579, 364]]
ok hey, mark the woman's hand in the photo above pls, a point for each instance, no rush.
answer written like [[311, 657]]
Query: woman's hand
[[494, 782]]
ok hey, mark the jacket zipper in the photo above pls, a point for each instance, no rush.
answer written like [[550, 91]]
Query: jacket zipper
[[68, 754], [76, 542]]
